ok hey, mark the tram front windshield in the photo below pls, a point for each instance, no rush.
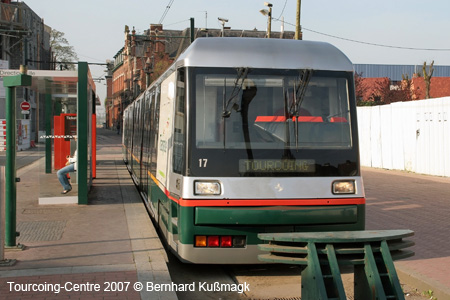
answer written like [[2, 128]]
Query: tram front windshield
[[265, 122]]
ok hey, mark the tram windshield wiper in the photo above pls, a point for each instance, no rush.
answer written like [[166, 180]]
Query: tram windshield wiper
[[299, 94], [238, 83], [299, 91], [226, 113]]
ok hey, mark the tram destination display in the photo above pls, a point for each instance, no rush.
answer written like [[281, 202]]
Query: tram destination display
[[273, 165]]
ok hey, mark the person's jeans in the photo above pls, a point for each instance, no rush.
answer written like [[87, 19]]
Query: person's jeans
[[62, 176]]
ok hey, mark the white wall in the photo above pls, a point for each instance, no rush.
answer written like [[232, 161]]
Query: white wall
[[412, 136]]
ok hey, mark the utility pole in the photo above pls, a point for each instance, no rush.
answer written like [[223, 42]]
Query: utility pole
[[298, 28]]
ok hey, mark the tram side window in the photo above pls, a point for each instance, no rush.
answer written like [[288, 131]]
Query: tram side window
[[146, 158], [136, 120], [207, 126], [180, 123], [154, 124]]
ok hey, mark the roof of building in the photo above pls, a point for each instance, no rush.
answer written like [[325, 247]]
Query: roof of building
[[395, 72], [440, 87]]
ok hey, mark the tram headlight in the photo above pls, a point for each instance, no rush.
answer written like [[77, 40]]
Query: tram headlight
[[344, 187], [207, 188]]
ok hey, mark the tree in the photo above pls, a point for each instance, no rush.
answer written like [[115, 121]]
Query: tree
[[360, 87], [385, 93], [382, 92], [160, 68], [406, 87], [63, 53], [427, 77]]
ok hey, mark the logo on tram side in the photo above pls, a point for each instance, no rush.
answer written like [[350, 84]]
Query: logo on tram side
[[163, 146]]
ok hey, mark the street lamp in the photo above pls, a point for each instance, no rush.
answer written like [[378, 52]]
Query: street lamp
[[268, 13], [223, 21], [148, 70]]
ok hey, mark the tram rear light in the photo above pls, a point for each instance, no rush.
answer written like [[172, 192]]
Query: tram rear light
[[213, 241], [226, 241], [200, 241], [344, 187], [207, 188], [220, 241]]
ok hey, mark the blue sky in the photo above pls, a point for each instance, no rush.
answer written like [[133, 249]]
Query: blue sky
[[95, 27]]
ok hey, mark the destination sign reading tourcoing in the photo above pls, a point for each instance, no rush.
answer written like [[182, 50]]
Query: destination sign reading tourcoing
[[277, 165]]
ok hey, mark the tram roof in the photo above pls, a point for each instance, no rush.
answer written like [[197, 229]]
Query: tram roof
[[264, 53]]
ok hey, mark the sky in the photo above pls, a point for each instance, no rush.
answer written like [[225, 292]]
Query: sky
[[368, 32]]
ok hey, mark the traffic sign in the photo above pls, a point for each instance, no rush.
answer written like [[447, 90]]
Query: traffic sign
[[25, 105]]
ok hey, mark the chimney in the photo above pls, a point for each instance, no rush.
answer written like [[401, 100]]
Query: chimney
[[155, 31]]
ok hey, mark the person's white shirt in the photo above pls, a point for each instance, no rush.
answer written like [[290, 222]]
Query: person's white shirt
[[74, 160]]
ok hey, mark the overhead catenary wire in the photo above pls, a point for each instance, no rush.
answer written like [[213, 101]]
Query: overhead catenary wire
[[368, 43], [282, 11], [182, 21], [166, 11]]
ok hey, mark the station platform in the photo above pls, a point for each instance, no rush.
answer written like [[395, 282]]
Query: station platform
[[110, 242], [112, 238]]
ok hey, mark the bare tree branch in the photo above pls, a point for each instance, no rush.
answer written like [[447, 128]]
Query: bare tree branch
[[62, 51]]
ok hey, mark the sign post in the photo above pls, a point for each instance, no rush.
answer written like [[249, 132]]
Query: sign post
[[25, 106]]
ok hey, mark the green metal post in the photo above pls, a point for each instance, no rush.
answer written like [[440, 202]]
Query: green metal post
[[10, 83], [82, 132], [10, 172], [2, 213], [192, 30]]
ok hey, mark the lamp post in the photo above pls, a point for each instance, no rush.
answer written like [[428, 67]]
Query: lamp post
[[223, 21], [268, 13], [148, 70]]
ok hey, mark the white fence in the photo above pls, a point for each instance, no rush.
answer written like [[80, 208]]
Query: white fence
[[412, 136]]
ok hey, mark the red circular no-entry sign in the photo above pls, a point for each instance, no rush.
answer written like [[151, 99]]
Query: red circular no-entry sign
[[25, 105]]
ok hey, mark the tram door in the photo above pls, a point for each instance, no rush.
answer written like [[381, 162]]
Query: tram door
[[178, 165], [165, 139], [179, 136]]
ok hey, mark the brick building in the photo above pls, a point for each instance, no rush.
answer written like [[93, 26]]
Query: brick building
[[142, 59], [439, 87], [25, 40], [145, 57]]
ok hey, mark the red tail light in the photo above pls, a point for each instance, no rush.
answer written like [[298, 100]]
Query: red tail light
[[213, 241], [220, 241], [226, 241]]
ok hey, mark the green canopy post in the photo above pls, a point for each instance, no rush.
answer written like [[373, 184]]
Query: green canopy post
[[10, 83], [82, 132]]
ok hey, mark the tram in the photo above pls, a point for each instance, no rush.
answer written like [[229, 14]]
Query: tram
[[242, 136]]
